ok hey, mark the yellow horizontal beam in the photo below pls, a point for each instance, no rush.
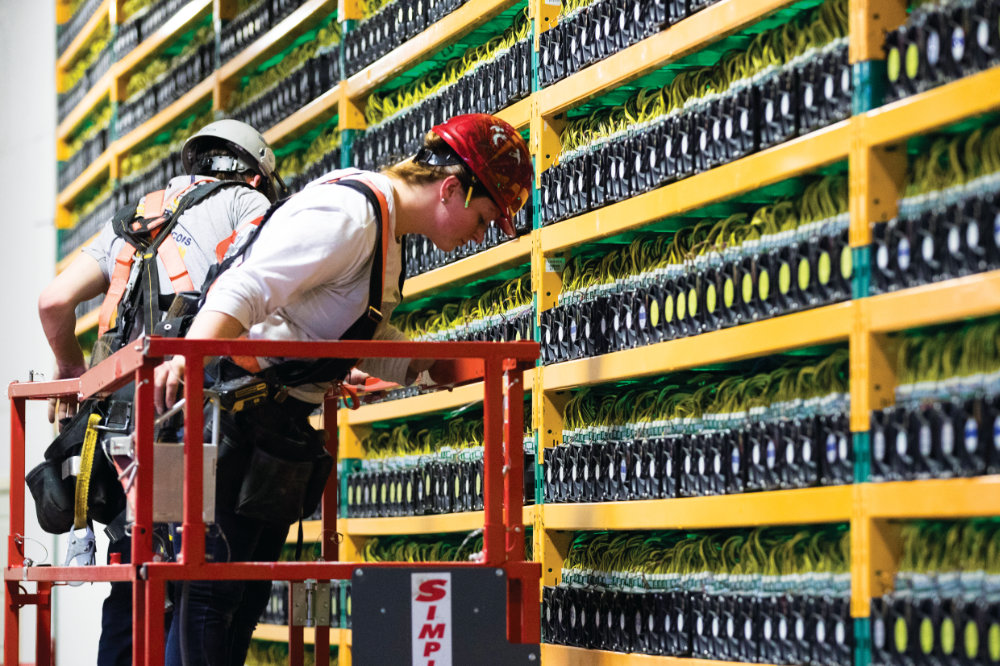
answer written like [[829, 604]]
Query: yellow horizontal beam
[[517, 114], [564, 655], [164, 117], [97, 168], [781, 507], [186, 15], [951, 300], [933, 109], [933, 498], [73, 50], [802, 155], [447, 522], [279, 633], [450, 28], [86, 322], [312, 531], [97, 92], [278, 37], [505, 255], [831, 323], [420, 404], [306, 116], [691, 34]]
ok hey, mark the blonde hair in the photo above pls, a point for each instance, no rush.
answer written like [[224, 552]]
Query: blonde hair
[[418, 173]]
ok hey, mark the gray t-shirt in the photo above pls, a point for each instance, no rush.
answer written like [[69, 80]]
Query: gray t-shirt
[[198, 231]]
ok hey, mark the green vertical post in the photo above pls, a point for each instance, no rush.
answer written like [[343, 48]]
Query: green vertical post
[[862, 456], [861, 271], [862, 641], [868, 79], [347, 138], [347, 466]]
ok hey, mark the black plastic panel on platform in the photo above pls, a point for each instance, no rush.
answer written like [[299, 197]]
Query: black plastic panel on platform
[[383, 627]]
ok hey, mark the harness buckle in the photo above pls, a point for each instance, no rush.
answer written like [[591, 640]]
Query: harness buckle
[[374, 314]]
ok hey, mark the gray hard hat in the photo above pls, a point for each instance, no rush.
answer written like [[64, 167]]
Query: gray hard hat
[[244, 141]]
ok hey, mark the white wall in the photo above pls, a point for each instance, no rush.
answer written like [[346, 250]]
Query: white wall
[[27, 260]]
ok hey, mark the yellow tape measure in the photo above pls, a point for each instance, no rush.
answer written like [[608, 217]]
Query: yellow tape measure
[[83, 478]]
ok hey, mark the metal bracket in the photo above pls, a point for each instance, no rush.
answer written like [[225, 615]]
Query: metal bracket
[[310, 603], [299, 604]]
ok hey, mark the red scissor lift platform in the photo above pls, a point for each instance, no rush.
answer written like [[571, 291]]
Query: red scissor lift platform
[[503, 529]]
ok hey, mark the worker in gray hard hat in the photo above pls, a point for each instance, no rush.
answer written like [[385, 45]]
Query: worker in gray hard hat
[[250, 155], [231, 182]]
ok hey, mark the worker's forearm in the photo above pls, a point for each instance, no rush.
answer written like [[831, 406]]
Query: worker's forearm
[[59, 324], [213, 324]]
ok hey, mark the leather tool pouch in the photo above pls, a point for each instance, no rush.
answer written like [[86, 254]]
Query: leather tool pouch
[[286, 465]]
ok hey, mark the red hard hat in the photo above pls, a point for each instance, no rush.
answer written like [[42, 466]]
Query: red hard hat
[[497, 155]]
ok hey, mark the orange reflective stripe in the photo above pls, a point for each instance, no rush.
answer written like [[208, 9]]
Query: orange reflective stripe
[[170, 254], [119, 280], [225, 243]]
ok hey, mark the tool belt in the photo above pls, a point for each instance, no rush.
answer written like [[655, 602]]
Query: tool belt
[[273, 466]]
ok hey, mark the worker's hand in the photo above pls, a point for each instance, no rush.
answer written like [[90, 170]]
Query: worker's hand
[[66, 406], [417, 365], [356, 379], [168, 377]]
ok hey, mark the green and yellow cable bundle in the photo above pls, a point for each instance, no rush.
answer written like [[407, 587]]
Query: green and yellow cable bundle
[[424, 438], [144, 158], [945, 558], [158, 66], [822, 200], [687, 398], [280, 67], [382, 105], [88, 56], [423, 548], [97, 121], [770, 48], [952, 162], [85, 209], [717, 561], [295, 163], [970, 351], [495, 303]]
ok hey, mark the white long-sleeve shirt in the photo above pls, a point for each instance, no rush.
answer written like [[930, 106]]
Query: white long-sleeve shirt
[[306, 277]]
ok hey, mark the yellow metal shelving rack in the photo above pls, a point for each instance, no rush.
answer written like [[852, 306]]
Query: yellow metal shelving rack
[[869, 142]]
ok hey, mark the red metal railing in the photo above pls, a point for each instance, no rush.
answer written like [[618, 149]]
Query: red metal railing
[[503, 529]]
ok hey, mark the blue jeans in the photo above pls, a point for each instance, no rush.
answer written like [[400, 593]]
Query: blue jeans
[[214, 620], [115, 645], [218, 618]]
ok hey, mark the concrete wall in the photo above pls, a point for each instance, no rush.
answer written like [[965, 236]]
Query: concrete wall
[[27, 260]]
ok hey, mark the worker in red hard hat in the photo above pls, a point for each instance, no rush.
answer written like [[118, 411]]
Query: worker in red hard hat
[[325, 264]]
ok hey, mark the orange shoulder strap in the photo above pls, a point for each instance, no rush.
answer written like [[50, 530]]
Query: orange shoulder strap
[[170, 254], [225, 243], [384, 206], [150, 208], [386, 231], [119, 280]]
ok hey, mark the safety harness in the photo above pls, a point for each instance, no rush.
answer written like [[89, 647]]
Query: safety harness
[[146, 230], [134, 289], [296, 372]]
